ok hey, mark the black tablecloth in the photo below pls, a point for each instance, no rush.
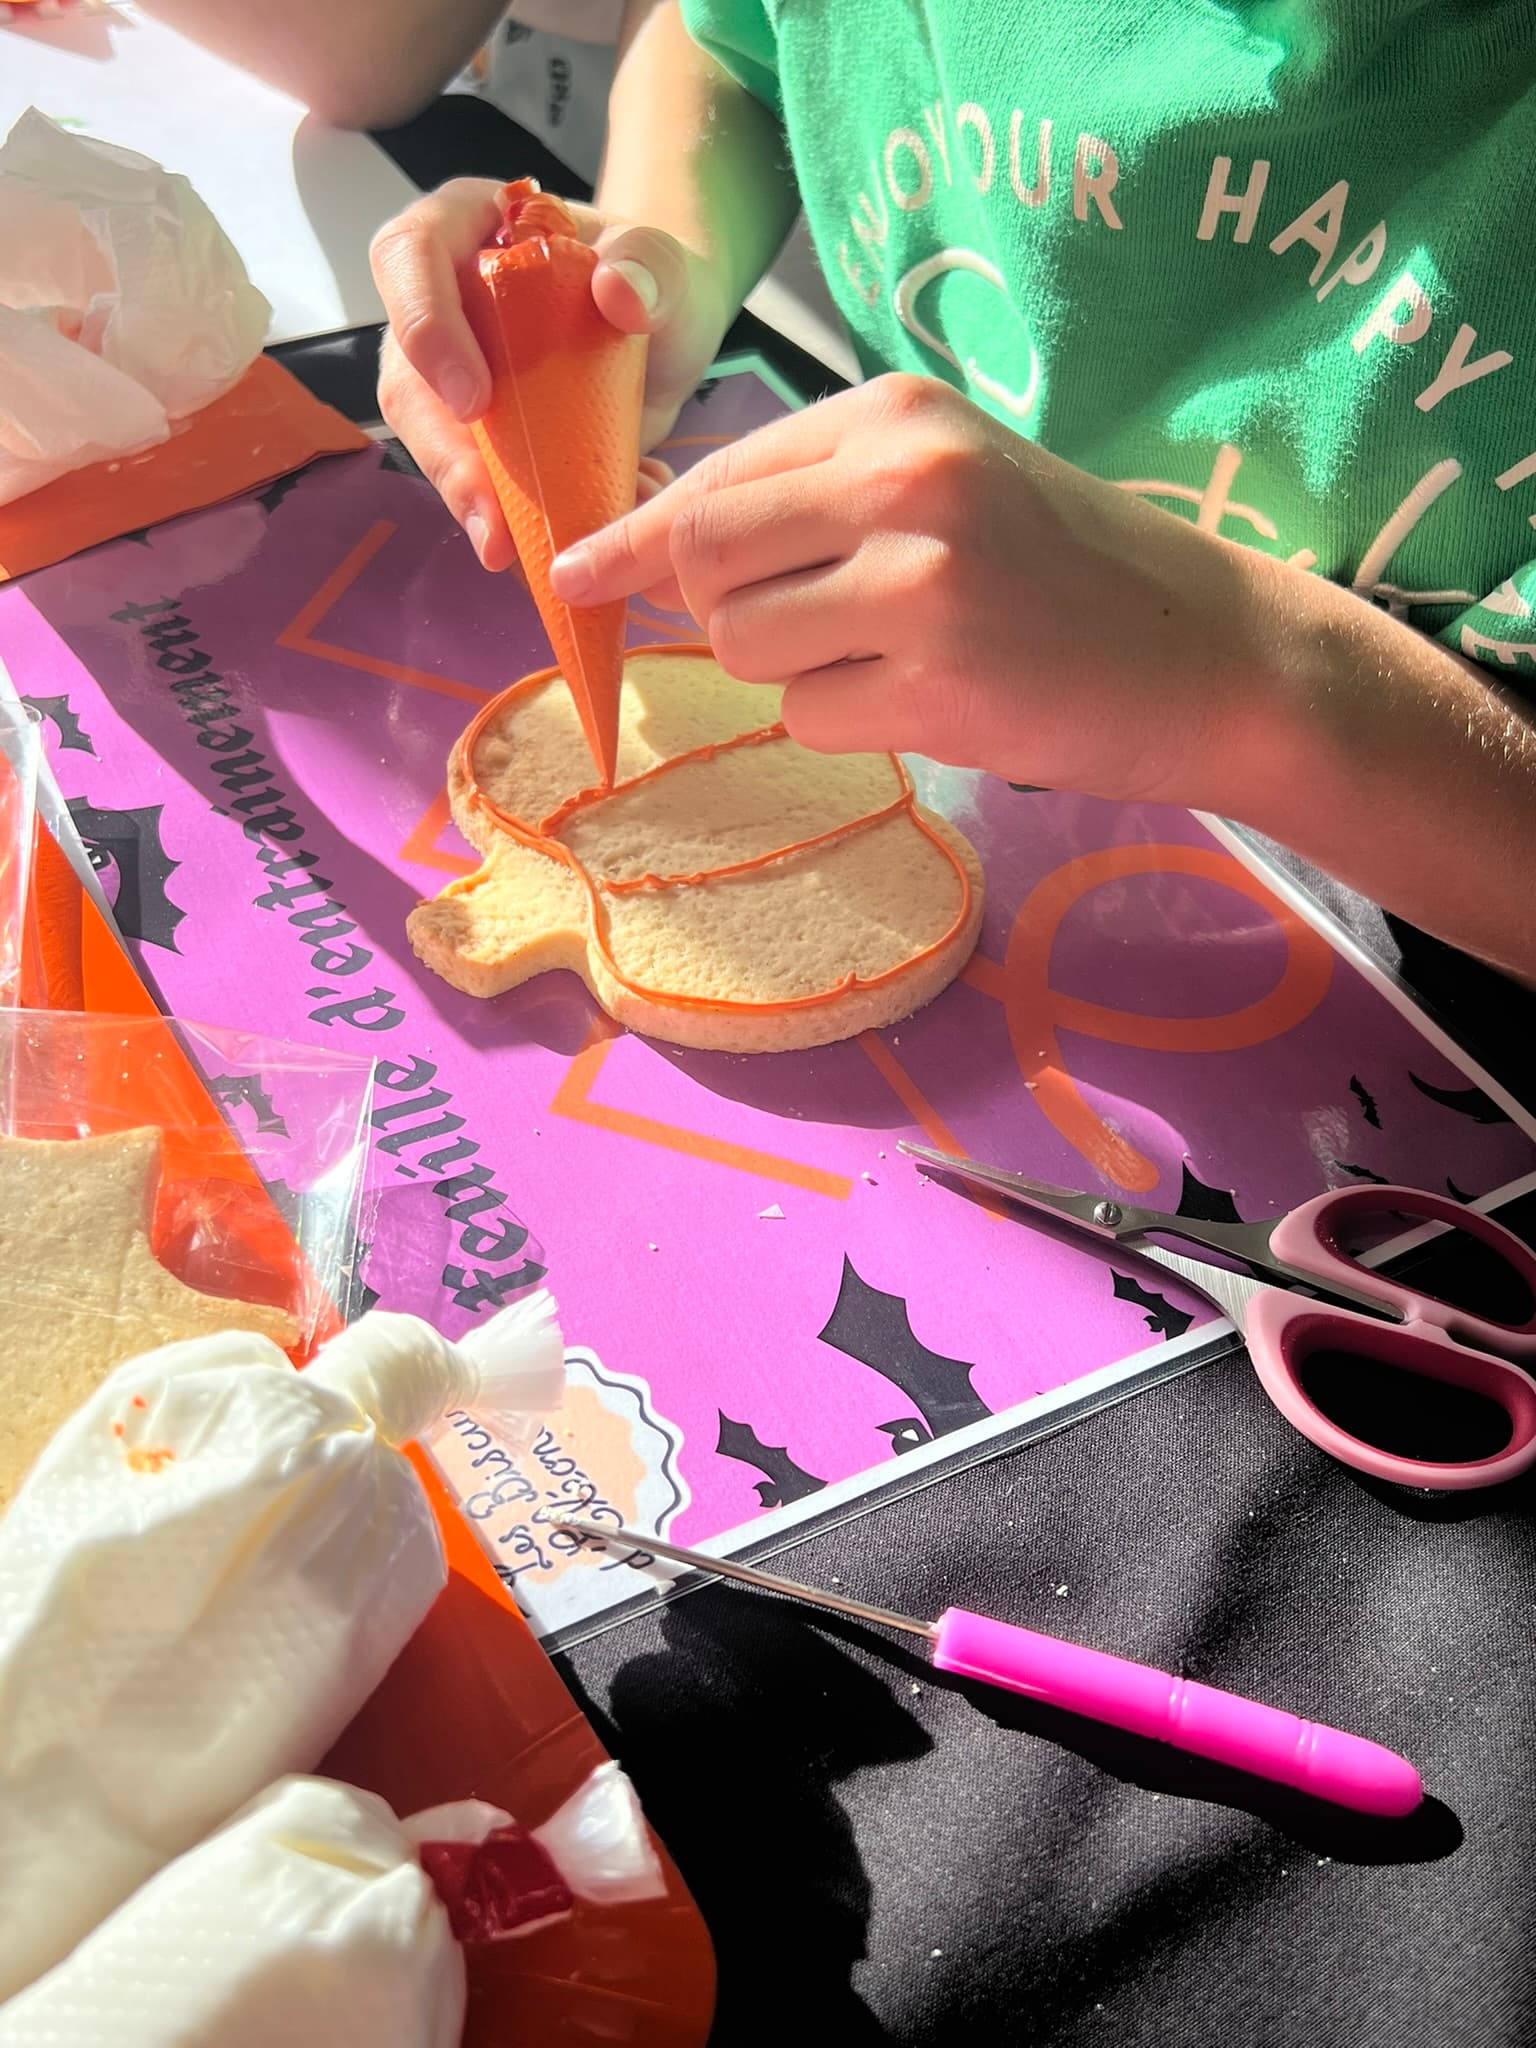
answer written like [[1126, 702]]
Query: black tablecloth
[[885, 1855]]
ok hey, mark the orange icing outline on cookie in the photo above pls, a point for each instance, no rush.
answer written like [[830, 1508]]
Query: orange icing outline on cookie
[[538, 840]]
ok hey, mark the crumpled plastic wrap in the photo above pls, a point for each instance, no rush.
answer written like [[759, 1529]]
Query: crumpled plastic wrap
[[205, 1575], [316, 1919], [123, 305], [307, 1922]]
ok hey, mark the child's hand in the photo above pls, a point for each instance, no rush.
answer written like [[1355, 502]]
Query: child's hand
[[432, 376], [924, 580]]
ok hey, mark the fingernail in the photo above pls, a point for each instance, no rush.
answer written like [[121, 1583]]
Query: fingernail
[[479, 531], [456, 388], [572, 571], [640, 282]]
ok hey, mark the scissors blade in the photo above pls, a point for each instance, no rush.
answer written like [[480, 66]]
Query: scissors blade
[[1231, 1292], [1127, 1226], [1088, 1212]]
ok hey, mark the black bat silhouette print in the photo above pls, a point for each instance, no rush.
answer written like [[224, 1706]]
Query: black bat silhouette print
[[396, 459], [874, 1328], [126, 851], [60, 713], [233, 1090], [1361, 1172], [1468, 1102], [1366, 1100], [1204, 1204], [906, 1433], [783, 1479], [1160, 1314], [275, 492]]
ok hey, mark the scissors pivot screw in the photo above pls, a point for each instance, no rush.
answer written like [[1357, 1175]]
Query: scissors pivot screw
[[1108, 1215]]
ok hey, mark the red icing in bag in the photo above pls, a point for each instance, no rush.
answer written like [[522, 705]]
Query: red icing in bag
[[502, 1886]]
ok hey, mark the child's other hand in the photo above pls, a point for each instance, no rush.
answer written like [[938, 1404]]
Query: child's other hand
[[432, 377], [925, 581]]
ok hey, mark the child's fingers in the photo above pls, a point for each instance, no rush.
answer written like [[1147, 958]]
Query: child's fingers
[[790, 624], [654, 476], [445, 452], [641, 280], [416, 259], [851, 707], [713, 532]]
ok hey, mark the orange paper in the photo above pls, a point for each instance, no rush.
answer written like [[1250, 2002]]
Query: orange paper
[[265, 427]]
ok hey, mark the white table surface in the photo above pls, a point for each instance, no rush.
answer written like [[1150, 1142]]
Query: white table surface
[[298, 199]]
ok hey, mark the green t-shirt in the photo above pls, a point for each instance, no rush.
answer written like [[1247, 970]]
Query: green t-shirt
[[1265, 262]]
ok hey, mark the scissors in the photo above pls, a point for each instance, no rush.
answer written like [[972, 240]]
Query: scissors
[[1304, 1294]]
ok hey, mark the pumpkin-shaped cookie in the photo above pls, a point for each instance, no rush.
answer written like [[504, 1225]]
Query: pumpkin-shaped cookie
[[732, 890]]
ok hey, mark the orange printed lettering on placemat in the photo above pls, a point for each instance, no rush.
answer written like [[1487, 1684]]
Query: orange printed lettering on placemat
[[421, 848], [1037, 1013], [300, 637], [573, 1099]]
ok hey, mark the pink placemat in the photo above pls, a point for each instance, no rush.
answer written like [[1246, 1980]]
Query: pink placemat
[[771, 1317]]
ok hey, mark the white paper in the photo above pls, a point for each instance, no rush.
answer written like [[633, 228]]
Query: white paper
[[306, 1923], [299, 200], [188, 1610]]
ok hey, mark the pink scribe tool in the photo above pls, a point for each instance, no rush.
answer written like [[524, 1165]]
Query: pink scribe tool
[[1199, 1719]]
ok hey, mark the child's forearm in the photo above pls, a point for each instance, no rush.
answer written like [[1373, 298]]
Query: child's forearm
[[1394, 765], [690, 151], [359, 65]]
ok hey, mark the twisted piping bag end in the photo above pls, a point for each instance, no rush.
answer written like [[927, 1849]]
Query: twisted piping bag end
[[600, 1844], [518, 1359], [406, 1378]]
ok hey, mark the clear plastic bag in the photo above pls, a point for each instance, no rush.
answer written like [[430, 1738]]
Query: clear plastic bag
[[241, 1159], [20, 752]]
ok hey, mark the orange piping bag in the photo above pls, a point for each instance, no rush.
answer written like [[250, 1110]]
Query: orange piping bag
[[561, 435]]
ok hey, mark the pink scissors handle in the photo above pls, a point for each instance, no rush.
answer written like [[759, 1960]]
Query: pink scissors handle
[[1435, 1339]]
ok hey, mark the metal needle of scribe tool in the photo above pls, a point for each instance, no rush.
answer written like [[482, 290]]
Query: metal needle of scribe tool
[[748, 1575], [1195, 1718]]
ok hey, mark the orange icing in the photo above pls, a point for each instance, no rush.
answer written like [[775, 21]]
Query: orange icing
[[540, 839], [149, 1461], [531, 215]]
